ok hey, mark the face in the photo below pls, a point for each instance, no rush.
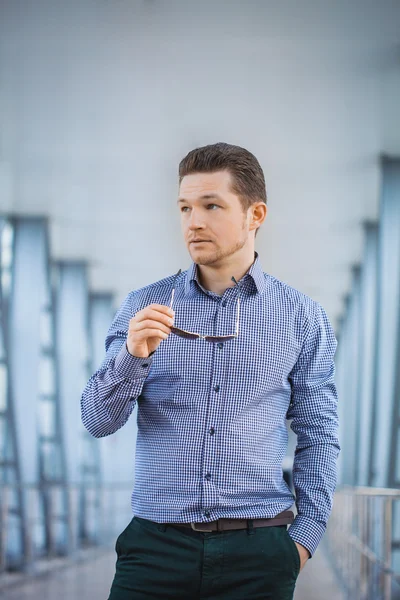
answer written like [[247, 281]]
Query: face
[[211, 212]]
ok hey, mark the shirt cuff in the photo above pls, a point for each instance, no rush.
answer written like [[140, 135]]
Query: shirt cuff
[[130, 366], [307, 532]]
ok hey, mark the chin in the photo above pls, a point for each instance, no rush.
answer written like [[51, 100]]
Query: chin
[[202, 257], [196, 254]]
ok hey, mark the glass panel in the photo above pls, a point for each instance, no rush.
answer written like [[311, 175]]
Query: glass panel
[[3, 437], [46, 375], [14, 541], [9, 475], [3, 387], [2, 349], [6, 258], [397, 473], [45, 328], [50, 459], [5, 282], [46, 417], [37, 529], [6, 246], [5, 440]]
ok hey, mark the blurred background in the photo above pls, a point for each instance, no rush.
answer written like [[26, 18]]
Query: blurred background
[[99, 101]]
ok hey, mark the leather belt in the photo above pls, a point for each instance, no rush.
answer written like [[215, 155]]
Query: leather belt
[[284, 518]]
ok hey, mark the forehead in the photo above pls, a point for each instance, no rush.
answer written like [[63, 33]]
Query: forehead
[[196, 185]]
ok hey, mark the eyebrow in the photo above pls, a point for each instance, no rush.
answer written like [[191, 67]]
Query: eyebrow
[[204, 197]]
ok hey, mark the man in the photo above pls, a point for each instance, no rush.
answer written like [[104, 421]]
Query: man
[[209, 499]]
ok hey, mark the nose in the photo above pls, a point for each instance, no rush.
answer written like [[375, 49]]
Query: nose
[[195, 220]]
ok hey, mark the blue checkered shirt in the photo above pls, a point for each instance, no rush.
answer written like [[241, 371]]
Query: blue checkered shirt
[[211, 418]]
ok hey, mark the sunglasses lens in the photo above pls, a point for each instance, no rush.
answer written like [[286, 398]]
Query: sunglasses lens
[[188, 335], [216, 339], [185, 334]]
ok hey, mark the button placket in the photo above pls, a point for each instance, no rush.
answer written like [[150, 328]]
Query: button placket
[[210, 457]]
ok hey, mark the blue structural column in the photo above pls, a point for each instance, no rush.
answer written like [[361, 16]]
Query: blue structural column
[[12, 504], [339, 378], [357, 375], [385, 430], [367, 343], [73, 358], [28, 374], [52, 463], [34, 384], [348, 367], [387, 323]]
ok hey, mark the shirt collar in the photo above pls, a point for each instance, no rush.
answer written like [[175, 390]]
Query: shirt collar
[[255, 273]]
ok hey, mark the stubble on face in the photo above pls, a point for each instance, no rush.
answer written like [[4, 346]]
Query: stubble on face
[[211, 256]]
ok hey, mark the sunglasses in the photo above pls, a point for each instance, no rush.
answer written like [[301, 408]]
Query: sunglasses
[[190, 335]]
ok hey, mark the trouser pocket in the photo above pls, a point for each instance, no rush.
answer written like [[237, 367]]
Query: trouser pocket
[[294, 551], [118, 547]]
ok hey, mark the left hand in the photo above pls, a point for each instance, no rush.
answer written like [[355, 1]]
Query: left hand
[[304, 555]]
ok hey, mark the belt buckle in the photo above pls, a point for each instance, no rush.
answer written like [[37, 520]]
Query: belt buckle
[[193, 526]]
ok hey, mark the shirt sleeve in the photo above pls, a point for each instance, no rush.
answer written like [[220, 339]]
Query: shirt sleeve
[[313, 410], [111, 393]]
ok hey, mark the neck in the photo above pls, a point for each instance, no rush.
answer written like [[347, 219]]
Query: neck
[[217, 278]]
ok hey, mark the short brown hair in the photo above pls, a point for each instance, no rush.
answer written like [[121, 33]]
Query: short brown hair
[[248, 181]]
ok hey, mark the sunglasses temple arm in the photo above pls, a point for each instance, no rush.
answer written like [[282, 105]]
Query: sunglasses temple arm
[[173, 288], [172, 297], [237, 318]]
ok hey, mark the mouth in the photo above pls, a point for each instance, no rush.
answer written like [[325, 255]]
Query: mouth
[[200, 242]]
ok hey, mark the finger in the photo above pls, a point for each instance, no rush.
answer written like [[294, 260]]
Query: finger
[[154, 315], [149, 324], [162, 308], [146, 334]]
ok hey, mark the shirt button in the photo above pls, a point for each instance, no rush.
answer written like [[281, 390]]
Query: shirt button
[[220, 345], [207, 513], [208, 476], [212, 430], [145, 365], [224, 303], [216, 388]]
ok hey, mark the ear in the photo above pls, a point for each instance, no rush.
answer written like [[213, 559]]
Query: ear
[[258, 214]]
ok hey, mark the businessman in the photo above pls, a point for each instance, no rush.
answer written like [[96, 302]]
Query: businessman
[[217, 357]]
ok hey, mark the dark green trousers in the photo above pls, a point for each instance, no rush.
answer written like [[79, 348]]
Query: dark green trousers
[[158, 562]]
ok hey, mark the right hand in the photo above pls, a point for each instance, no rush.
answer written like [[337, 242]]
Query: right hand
[[148, 328]]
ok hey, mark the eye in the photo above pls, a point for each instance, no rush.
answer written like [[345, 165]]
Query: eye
[[183, 209]]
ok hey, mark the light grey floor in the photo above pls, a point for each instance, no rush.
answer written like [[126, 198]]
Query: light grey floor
[[91, 579]]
